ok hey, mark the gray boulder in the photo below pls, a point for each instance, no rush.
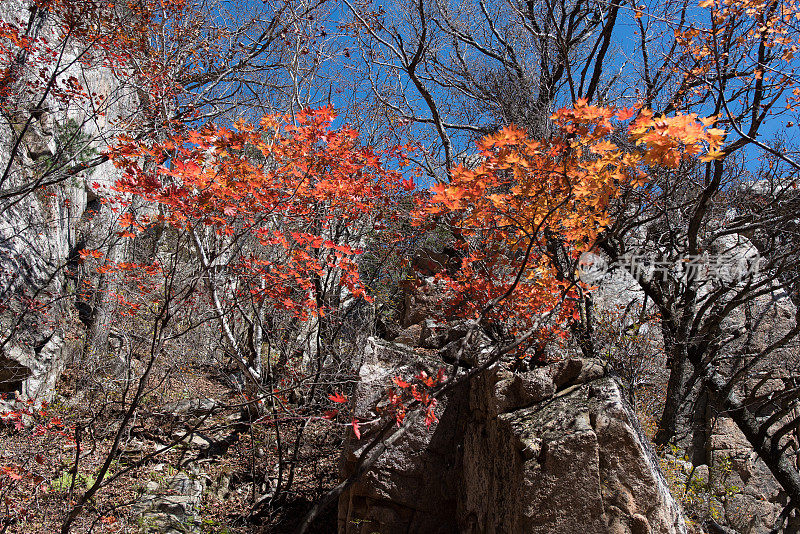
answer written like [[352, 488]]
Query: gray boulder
[[552, 450], [172, 506]]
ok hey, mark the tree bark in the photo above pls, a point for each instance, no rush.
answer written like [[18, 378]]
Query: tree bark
[[668, 426]]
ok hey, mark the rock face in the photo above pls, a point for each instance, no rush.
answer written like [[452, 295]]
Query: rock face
[[551, 450], [736, 488], [743, 493], [45, 292], [413, 488], [172, 507]]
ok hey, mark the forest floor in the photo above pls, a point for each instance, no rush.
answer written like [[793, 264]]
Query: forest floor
[[236, 464]]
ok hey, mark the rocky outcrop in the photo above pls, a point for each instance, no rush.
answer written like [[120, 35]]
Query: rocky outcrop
[[415, 486], [555, 449], [172, 505], [52, 204], [734, 491], [742, 493]]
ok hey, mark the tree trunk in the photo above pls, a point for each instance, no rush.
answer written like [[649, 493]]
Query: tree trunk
[[669, 425], [683, 421]]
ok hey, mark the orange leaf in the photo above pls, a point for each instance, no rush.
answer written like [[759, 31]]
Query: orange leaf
[[400, 382], [337, 397]]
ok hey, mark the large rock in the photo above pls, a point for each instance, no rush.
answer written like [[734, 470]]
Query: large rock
[[414, 487], [173, 506], [551, 450], [741, 492]]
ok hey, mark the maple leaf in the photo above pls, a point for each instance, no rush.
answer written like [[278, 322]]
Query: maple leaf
[[337, 397], [356, 429], [712, 155], [126, 220], [12, 474], [86, 253], [439, 189], [400, 382], [425, 379], [626, 113], [440, 376]]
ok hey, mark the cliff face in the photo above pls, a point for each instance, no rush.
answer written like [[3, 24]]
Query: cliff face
[[45, 138], [555, 449]]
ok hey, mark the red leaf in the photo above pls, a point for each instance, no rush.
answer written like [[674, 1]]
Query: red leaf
[[11, 473], [331, 414], [430, 416], [626, 113], [337, 397], [356, 429], [440, 376], [400, 382], [425, 379]]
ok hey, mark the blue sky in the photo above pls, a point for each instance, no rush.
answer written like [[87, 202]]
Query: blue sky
[[339, 84]]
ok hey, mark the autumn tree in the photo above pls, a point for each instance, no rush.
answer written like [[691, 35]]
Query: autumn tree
[[75, 74], [219, 217], [448, 73], [172, 66]]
